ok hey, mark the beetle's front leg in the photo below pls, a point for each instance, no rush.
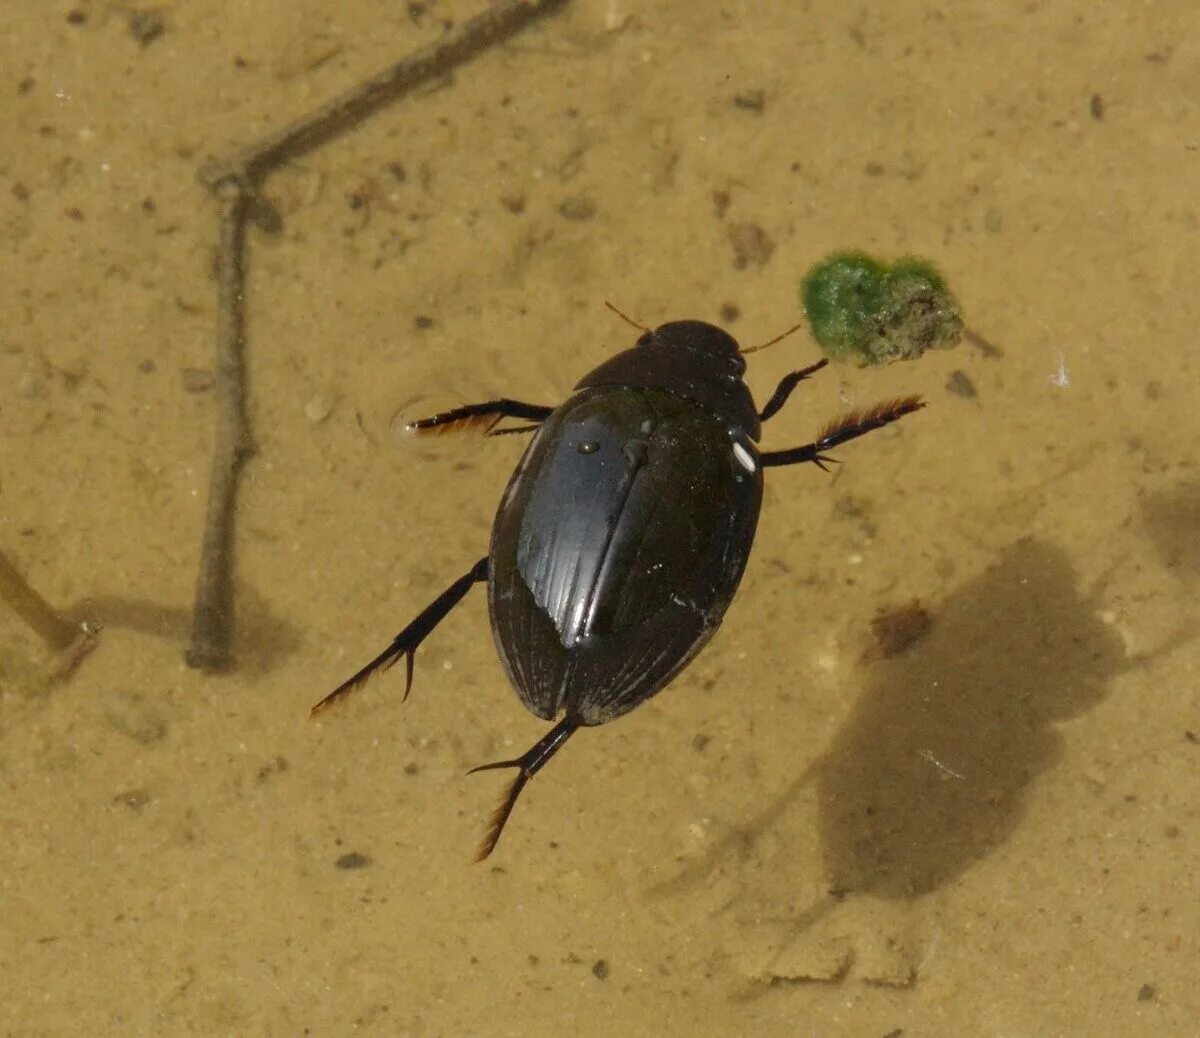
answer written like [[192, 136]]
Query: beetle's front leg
[[785, 387], [488, 415], [842, 430]]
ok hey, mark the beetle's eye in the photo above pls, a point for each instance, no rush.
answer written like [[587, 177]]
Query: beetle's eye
[[737, 366]]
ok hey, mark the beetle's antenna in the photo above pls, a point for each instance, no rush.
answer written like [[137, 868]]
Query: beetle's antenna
[[772, 342], [528, 765], [626, 318]]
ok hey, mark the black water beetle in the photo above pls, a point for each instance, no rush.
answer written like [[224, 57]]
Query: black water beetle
[[624, 531]]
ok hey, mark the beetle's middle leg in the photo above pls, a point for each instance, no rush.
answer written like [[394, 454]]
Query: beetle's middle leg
[[842, 430], [488, 415], [406, 642]]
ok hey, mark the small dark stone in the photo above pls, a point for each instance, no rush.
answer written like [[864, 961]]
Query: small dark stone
[[197, 380], [73, 212], [398, 172], [423, 321], [147, 25], [600, 969], [134, 799], [353, 860], [730, 312], [721, 200], [751, 245], [960, 384], [264, 215], [1096, 107], [276, 765], [513, 203], [77, 17], [754, 100], [699, 741], [849, 507], [149, 206], [26, 86], [1191, 737], [20, 192], [1147, 992], [147, 366], [412, 768], [138, 719], [577, 207], [874, 169], [897, 630]]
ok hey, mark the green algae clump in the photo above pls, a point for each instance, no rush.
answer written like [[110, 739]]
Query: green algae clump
[[862, 309]]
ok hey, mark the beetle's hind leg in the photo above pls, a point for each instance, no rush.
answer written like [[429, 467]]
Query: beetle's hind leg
[[527, 765], [406, 642], [486, 416], [842, 430]]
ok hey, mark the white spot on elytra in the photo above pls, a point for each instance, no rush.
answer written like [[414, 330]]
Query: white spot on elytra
[[744, 457]]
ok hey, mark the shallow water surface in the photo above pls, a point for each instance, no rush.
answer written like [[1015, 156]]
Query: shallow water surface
[[987, 827]]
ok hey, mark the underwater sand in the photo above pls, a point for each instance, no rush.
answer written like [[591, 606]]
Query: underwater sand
[[993, 831]]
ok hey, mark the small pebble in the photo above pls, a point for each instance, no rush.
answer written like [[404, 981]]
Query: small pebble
[[751, 245], [197, 380], [146, 25], [134, 799], [30, 386], [577, 207], [960, 385], [319, 408], [750, 100], [353, 860], [600, 969], [896, 630]]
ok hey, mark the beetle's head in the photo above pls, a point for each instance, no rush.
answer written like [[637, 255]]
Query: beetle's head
[[706, 345], [691, 359]]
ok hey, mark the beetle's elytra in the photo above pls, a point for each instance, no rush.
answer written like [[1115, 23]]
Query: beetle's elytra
[[624, 531]]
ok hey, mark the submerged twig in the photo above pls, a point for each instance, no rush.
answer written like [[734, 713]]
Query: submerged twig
[[236, 180], [212, 620], [69, 640], [45, 621], [501, 20]]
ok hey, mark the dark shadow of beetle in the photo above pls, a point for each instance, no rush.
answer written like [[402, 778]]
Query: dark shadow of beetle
[[1172, 519], [930, 772], [931, 769]]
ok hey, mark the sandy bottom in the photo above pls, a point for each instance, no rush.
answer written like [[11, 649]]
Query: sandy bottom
[[993, 830]]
